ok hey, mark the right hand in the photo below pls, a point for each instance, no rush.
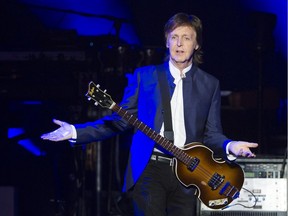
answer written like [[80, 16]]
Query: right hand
[[63, 133]]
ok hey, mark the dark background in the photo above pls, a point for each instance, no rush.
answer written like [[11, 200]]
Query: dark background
[[46, 63]]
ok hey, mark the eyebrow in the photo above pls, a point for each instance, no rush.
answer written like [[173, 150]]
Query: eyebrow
[[184, 35]]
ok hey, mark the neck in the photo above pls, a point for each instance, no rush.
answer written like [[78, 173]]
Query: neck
[[181, 65]]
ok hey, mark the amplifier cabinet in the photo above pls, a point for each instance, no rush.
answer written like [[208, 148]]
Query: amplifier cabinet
[[263, 167], [270, 193], [266, 182]]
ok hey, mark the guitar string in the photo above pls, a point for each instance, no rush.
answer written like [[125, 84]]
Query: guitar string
[[206, 175], [156, 136], [185, 159]]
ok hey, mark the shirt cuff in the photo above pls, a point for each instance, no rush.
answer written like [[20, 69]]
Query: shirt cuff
[[230, 157], [74, 135]]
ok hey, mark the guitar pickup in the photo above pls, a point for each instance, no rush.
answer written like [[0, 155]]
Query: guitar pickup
[[193, 164], [216, 181]]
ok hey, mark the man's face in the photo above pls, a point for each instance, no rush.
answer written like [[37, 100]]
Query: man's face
[[182, 43]]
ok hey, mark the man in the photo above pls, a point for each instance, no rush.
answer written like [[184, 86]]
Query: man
[[195, 106]]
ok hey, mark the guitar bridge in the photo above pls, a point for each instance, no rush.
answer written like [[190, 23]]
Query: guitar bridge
[[216, 181], [229, 191]]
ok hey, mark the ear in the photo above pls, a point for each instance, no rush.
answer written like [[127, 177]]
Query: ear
[[197, 47], [167, 45]]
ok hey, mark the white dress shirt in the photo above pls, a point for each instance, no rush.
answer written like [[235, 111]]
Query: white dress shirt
[[177, 110]]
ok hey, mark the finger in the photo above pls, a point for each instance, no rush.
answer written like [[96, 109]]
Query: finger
[[47, 136], [240, 152], [252, 145], [252, 155], [249, 144], [58, 122], [53, 136], [249, 155], [44, 136]]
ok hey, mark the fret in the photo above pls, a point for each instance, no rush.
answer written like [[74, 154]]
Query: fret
[[144, 129], [165, 143], [194, 163], [126, 115], [160, 140], [135, 121], [139, 126], [172, 149], [153, 135], [130, 118], [117, 109], [158, 137]]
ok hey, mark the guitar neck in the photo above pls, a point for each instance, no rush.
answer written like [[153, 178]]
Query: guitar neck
[[162, 141], [196, 162]]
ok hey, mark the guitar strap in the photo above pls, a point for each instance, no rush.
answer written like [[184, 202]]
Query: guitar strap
[[165, 95]]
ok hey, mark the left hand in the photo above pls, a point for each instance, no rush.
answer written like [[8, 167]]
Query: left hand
[[242, 148], [64, 132]]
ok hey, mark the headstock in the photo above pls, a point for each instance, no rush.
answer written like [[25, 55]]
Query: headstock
[[99, 96]]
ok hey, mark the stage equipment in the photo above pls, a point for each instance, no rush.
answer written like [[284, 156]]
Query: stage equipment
[[264, 191]]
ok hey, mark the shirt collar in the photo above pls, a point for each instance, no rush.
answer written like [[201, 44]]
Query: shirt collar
[[176, 73]]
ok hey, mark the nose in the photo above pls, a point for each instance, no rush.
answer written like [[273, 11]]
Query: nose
[[179, 42]]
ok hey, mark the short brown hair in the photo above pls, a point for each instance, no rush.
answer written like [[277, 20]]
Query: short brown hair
[[183, 19]]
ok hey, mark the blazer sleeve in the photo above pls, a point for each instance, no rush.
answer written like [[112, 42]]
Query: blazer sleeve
[[213, 135], [113, 124]]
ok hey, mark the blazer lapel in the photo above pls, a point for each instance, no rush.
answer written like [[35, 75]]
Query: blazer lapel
[[187, 98]]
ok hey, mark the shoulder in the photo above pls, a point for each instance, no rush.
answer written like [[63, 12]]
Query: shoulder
[[198, 73], [150, 70]]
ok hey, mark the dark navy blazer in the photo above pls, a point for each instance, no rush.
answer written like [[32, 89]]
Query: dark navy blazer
[[142, 98]]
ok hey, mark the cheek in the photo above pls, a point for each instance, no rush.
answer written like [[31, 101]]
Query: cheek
[[192, 48]]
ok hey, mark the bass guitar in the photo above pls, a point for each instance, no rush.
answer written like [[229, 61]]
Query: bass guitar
[[218, 182]]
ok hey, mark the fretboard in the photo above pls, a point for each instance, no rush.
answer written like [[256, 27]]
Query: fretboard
[[162, 141]]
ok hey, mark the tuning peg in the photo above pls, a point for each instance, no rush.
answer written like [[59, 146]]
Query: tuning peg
[[89, 98], [97, 85], [96, 103], [105, 90]]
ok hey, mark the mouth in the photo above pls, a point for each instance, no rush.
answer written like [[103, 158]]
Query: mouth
[[179, 51]]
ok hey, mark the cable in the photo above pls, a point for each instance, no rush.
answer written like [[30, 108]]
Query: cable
[[255, 202]]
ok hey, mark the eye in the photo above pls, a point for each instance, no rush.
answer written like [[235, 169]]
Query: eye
[[173, 37]]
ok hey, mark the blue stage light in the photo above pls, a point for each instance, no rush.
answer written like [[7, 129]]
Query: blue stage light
[[29, 145], [14, 132], [26, 143]]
